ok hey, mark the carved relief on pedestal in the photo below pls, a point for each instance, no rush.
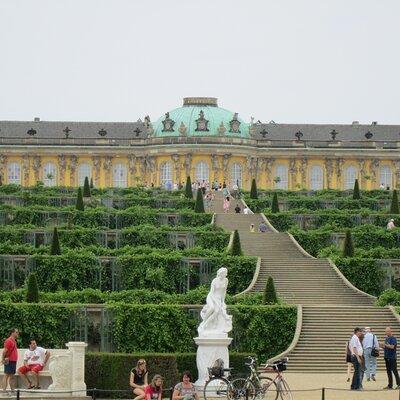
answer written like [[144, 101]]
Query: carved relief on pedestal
[[3, 168], [36, 165], [73, 163], [132, 168], [188, 163], [329, 171], [96, 160], [373, 168], [338, 168], [25, 169], [293, 172], [177, 167], [62, 165], [303, 171]]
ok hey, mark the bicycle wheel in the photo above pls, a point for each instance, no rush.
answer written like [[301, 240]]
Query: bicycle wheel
[[216, 388], [269, 389], [284, 390], [242, 389]]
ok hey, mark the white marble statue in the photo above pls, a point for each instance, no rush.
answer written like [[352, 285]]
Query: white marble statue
[[215, 320]]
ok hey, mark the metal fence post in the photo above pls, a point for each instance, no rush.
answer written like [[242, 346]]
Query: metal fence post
[[94, 394], [18, 394], [323, 394]]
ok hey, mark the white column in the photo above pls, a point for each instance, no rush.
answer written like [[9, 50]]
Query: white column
[[77, 350]]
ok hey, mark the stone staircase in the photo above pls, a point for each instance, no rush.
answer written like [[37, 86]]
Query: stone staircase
[[330, 306]]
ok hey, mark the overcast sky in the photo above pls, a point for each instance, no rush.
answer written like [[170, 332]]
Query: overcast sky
[[300, 61]]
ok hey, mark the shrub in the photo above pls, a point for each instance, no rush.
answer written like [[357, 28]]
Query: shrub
[[79, 201], [91, 183], [270, 296], [199, 206], [348, 247], [389, 297], [55, 244], [356, 191], [188, 188], [275, 204], [236, 249], [86, 188], [32, 292], [253, 190], [394, 206]]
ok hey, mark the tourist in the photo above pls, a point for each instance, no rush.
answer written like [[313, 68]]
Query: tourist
[[252, 229], [227, 203], [348, 361], [185, 390], [390, 225], [246, 210], [390, 350], [370, 344], [207, 200], [154, 390], [176, 186], [9, 358], [382, 186], [356, 351], [138, 379], [225, 191], [215, 185], [235, 190], [35, 359], [262, 227], [237, 209]]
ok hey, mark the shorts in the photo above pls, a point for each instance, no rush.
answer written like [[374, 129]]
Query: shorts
[[30, 368], [10, 368]]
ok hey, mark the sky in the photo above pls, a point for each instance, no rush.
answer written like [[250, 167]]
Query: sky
[[291, 61]]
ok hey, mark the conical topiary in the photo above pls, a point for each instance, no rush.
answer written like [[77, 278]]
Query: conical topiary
[[188, 188], [253, 190], [199, 205], [32, 292], [236, 249], [348, 247], [86, 188], [55, 244], [356, 191], [269, 296], [79, 201], [394, 206], [91, 183], [275, 204]]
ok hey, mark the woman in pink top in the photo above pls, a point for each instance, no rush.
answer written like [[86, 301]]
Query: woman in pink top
[[227, 204]]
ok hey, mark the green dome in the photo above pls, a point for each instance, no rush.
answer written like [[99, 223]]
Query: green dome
[[200, 116]]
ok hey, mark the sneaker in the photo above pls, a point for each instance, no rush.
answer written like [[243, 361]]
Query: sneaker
[[373, 378], [387, 388]]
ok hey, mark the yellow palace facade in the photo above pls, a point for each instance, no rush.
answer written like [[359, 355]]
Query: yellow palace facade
[[203, 141]]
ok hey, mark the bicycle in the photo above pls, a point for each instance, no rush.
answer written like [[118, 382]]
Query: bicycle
[[252, 387], [218, 386]]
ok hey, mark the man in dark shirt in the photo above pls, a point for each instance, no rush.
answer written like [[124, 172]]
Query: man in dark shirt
[[390, 349], [237, 209]]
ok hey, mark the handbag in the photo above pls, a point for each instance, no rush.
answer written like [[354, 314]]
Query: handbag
[[374, 351]]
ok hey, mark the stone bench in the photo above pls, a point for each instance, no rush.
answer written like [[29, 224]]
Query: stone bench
[[64, 374]]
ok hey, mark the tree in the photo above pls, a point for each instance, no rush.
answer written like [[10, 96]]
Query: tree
[[32, 292], [356, 191], [236, 249], [394, 206], [253, 190], [86, 188], [79, 201], [275, 204], [199, 205], [91, 183], [55, 244], [188, 188], [348, 246], [270, 296]]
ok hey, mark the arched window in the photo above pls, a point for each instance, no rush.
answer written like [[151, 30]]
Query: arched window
[[237, 173], [281, 177], [49, 174], [120, 175], [166, 175], [350, 175], [84, 170], [316, 178], [14, 173], [386, 177], [202, 172]]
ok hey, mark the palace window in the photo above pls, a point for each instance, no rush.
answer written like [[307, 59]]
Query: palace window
[[84, 170], [237, 173], [316, 178], [14, 173], [202, 172], [49, 174], [281, 177], [166, 174], [386, 177], [120, 176], [350, 176]]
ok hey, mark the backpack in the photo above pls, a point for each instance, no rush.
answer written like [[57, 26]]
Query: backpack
[[218, 368]]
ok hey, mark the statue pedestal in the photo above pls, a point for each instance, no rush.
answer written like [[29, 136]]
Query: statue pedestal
[[208, 351]]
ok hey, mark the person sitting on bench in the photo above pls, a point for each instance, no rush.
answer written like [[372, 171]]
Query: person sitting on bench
[[35, 359]]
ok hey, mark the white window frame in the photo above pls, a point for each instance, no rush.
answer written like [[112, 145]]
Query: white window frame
[[237, 174], [386, 176], [49, 169], [282, 172], [166, 173], [120, 175], [350, 176], [84, 170], [202, 172], [316, 177], [14, 173]]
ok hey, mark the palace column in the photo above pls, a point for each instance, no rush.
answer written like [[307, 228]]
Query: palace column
[[96, 160], [36, 166], [62, 166], [25, 169], [293, 173], [338, 167], [107, 164], [73, 163], [373, 169], [188, 165], [396, 164], [151, 169], [303, 172], [269, 163], [225, 165], [177, 168], [3, 168], [142, 170], [329, 172], [132, 169], [362, 169], [215, 167]]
